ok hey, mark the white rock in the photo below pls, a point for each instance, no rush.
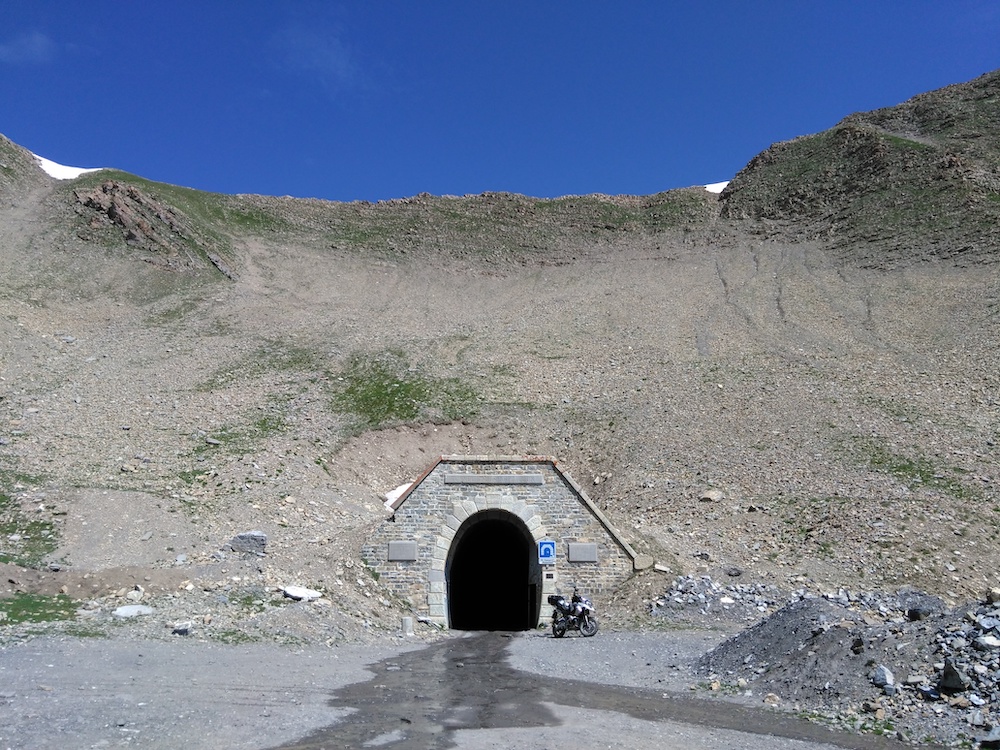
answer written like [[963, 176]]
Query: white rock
[[301, 593], [987, 643], [132, 610]]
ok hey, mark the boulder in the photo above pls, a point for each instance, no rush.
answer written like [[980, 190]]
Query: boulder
[[882, 676], [249, 543], [953, 679]]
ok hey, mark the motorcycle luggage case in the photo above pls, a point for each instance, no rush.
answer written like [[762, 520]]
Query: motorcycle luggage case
[[555, 599]]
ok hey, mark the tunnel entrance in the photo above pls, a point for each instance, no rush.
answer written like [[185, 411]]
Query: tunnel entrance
[[492, 574]]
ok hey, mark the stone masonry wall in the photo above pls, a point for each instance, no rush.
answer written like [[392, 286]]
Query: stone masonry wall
[[534, 493]]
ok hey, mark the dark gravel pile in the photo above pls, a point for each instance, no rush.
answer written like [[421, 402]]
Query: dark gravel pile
[[896, 663]]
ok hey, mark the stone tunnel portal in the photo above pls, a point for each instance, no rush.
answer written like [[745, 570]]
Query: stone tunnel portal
[[493, 578]]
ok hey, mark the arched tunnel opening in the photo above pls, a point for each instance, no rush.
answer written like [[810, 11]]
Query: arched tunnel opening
[[493, 575]]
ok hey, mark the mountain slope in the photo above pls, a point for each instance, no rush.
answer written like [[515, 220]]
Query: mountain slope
[[917, 181], [783, 390]]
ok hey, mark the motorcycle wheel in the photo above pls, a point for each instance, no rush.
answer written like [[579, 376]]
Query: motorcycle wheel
[[558, 628], [588, 627]]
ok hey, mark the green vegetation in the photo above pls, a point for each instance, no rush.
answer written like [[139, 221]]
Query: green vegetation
[[867, 181], [215, 213], [239, 438], [15, 164], [863, 723], [896, 407], [204, 212], [232, 636], [805, 520], [24, 540], [255, 600], [196, 476], [275, 356], [510, 224], [36, 608], [385, 389], [601, 213], [914, 471], [906, 143]]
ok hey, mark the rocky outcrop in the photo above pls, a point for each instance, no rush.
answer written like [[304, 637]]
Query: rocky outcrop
[[147, 224]]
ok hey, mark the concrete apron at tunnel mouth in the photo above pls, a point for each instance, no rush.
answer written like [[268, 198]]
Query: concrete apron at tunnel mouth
[[416, 699]]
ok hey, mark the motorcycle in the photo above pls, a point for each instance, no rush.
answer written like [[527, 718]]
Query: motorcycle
[[576, 614]]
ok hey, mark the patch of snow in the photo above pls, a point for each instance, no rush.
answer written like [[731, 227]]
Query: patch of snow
[[393, 495], [59, 171], [716, 187]]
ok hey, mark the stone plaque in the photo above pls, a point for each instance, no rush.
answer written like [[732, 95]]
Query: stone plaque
[[402, 551]]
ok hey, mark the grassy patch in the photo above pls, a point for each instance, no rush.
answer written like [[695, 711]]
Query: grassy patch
[[275, 356], [896, 407], [232, 636], [216, 214], [238, 439], [36, 608], [505, 223], [24, 540], [206, 212], [915, 471], [385, 389], [906, 143], [805, 521], [254, 600], [252, 219], [599, 213], [196, 476]]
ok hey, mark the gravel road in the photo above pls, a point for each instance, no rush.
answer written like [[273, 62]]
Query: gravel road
[[89, 693]]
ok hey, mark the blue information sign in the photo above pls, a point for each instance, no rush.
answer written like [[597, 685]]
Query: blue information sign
[[546, 552]]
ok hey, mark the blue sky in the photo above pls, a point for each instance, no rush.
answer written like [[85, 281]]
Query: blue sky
[[390, 98]]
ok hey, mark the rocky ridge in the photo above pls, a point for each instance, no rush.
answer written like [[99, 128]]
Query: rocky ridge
[[918, 180]]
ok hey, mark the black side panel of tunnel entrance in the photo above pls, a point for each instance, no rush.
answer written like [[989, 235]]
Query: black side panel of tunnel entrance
[[489, 579]]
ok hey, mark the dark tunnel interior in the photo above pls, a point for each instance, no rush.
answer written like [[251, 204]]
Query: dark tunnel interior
[[489, 578]]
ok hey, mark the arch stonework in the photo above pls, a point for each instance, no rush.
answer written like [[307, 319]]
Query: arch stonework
[[437, 594], [410, 549]]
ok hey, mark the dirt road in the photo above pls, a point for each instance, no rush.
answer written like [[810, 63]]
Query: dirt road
[[462, 692]]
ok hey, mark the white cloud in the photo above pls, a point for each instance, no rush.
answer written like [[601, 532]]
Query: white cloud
[[317, 52], [716, 187], [32, 47]]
